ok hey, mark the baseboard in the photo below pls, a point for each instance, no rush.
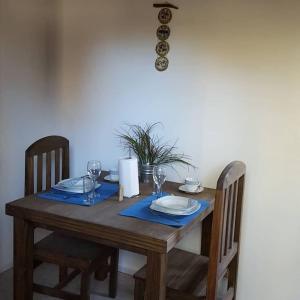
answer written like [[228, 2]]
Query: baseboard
[[6, 267], [127, 270], [123, 269]]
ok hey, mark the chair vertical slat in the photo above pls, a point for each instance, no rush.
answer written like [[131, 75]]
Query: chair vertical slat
[[48, 170], [57, 165], [235, 194], [239, 209], [29, 175], [229, 218], [225, 195], [224, 222], [39, 172], [65, 165], [216, 241], [233, 268]]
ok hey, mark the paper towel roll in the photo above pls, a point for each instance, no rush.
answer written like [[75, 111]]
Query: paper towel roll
[[129, 176]]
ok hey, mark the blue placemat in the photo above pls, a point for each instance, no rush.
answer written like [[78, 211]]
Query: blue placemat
[[106, 190], [141, 210]]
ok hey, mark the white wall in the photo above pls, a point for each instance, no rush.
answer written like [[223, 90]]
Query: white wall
[[27, 105], [231, 92]]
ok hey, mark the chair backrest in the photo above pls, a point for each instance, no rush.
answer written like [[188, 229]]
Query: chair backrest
[[51, 151], [225, 234]]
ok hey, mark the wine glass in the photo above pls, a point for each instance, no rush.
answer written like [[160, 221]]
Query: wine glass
[[94, 171], [88, 184], [159, 177]]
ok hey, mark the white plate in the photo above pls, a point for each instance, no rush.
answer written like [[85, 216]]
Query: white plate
[[175, 205], [71, 182], [182, 188], [107, 177], [175, 202], [72, 185], [175, 212]]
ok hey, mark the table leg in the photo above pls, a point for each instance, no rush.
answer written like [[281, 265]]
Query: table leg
[[206, 234], [23, 259], [156, 276]]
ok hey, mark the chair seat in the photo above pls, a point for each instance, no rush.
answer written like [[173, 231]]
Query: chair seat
[[69, 251], [186, 272]]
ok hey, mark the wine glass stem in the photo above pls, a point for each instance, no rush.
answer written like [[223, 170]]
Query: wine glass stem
[[158, 195], [94, 188]]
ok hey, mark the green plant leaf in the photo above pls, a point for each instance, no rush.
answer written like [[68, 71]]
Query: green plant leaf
[[148, 147]]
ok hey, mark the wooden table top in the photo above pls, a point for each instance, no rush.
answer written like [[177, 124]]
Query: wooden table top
[[102, 222]]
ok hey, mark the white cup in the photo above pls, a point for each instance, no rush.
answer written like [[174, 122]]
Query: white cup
[[191, 184], [191, 187]]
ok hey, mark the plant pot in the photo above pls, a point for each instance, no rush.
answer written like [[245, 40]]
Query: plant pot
[[146, 173]]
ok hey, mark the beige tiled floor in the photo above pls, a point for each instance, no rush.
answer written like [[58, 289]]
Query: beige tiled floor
[[47, 274]]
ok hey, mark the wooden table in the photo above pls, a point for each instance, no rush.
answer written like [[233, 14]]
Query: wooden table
[[100, 223]]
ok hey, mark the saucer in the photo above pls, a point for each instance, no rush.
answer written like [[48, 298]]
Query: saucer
[[107, 178], [182, 188]]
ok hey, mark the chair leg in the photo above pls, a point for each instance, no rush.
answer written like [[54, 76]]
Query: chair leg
[[232, 275], [36, 263], [63, 273], [229, 295], [139, 289], [85, 286], [113, 275], [102, 271]]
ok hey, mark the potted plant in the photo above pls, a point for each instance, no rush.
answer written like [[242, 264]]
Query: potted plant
[[149, 149]]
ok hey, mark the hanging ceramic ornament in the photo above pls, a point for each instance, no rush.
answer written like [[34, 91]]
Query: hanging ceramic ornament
[[162, 48], [161, 63], [165, 15], [163, 32]]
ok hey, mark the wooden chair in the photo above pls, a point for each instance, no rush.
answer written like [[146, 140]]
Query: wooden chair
[[194, 277], [65, 251]]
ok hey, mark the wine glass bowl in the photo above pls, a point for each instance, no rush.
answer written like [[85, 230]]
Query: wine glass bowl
[[94, 171], [159, 177]]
